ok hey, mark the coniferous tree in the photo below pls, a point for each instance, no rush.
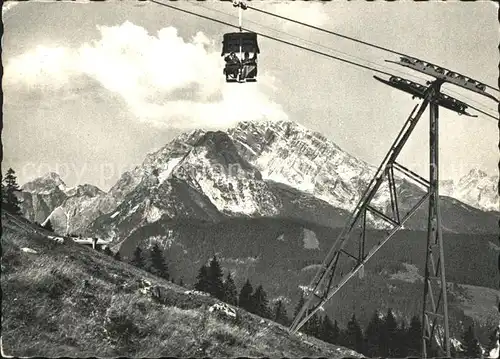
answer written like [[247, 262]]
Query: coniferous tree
[[470, 345], [402, 341], [279, 314], [354, 335], [260, 303], [414, 337], [215, 275], [202, 282], [467, 338], [388, 340], [336, 331], [475, 349], [329, 331], [107, 251], [313, 326], [4, 196], [245, 297], [137, 258], [343, 341], [158, 265], [230, 292], [117, 256], [10, 202], [372, 336]]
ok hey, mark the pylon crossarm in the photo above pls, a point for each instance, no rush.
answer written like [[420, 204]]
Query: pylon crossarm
[[418, 90], [445, 75]]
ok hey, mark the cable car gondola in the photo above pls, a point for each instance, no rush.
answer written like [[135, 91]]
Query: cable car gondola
[[240, 50]]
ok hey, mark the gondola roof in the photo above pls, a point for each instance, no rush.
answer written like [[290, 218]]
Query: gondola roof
[[248, 40]]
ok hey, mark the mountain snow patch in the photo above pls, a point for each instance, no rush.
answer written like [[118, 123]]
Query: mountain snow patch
[[311, 267], [248, 148], [249, 197], [167, 171], [310, 240]]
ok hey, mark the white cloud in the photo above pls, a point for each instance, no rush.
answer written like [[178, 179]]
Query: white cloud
[[153, 74], [40, 67]]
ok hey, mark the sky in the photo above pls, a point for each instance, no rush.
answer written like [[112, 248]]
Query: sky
[[90, 89]]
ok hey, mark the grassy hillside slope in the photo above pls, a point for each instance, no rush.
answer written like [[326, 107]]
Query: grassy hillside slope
[[63, 299]]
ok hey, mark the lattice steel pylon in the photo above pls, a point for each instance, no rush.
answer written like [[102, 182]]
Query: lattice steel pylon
[[433, 271], [328, 281]]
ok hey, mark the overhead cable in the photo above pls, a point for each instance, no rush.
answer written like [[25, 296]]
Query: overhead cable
[[340, 35], [327, 31], [316, 44]]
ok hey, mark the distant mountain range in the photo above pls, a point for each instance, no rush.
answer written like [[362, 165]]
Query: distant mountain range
[[256, 169], [477, 189], [70, 208]]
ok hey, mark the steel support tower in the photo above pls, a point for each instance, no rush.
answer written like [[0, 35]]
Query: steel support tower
[[434, 271], [341, 264]]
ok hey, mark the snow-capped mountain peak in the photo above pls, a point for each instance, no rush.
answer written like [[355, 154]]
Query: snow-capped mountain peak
[[288, 153], [476, 189]]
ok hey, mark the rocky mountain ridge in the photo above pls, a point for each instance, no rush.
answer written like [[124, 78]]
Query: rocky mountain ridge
[[69, 208], [255, 169]]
